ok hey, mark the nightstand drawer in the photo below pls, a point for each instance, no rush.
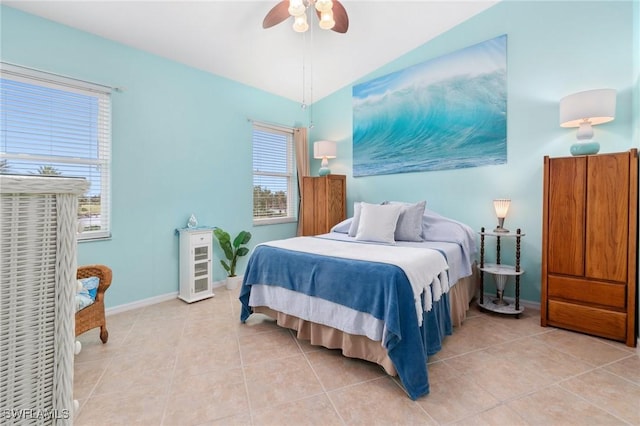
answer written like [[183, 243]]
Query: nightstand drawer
[[586, 291]]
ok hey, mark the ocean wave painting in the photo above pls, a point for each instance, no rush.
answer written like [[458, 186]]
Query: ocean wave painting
[[447, 113]]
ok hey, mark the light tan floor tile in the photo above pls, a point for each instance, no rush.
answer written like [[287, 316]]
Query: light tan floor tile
[[540, 358], [500, 415], [94, 349], [477, 333], [380, 401], [586, 348], [143, 361], [205, 381], [144, 410], [134, 383], [609, 392], [280, 380], [267, 346], [86, 375], [456, 399], [192, 361], [556, 406], [316, 410], [511, 380], [194, 408], [440, 372], [629, 368], [472, 362], [335, 370]]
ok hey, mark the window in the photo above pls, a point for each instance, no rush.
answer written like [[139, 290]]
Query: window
[[274, 184], [52, 125]]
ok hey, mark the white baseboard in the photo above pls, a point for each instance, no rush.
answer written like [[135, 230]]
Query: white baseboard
[[217, 284], [151, 301], [141, 303]]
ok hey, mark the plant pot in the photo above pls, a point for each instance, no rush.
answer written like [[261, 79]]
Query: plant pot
[[234, 282]]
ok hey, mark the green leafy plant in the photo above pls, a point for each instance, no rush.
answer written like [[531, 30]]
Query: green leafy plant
[[232, 251]]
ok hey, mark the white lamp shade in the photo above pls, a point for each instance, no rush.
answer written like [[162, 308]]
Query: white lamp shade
[[323, 149], [501, 205], [596, 106]]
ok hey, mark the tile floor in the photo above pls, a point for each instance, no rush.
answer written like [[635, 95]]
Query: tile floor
[[179, 364]]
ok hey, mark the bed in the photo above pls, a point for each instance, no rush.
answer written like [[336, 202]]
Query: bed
[[386, 286]]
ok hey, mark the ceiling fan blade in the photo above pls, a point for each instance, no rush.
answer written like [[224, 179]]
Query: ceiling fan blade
[[279, 13], [341, 18]]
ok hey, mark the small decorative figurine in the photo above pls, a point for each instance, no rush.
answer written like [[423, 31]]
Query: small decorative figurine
[[193, 222]]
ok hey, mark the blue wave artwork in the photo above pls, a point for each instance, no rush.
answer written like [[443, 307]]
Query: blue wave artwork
[[447, 113]]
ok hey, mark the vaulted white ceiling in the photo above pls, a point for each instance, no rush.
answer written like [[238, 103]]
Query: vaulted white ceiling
[[226, 38]]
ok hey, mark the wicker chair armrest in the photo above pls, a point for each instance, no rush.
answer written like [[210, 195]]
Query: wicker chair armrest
[[103, 273]]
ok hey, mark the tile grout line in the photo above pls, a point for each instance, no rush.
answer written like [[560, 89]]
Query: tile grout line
[[242, 366]]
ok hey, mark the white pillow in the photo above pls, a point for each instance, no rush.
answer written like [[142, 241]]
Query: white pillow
[[342, 227], [409, 227], [378, 222], [353, 229]]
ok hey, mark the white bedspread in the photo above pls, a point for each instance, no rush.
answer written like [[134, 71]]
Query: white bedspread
[[426, 269]]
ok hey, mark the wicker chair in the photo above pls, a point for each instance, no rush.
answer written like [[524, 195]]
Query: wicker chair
[[93, 315]]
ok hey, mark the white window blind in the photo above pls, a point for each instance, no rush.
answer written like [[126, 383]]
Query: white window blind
[[53, 125], [274, 188]]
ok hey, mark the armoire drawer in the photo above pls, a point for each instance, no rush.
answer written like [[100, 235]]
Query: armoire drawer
[[601, 322], [587, 291]]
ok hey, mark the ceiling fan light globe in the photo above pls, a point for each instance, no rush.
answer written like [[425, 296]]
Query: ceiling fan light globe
[[324, 5], [326, 20], [300, 24], [296, 7]]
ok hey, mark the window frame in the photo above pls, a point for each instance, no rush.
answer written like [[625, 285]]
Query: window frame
[[102, 162], [290, 175]]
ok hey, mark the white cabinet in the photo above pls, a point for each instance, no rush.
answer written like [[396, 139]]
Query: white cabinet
[[195, 263]]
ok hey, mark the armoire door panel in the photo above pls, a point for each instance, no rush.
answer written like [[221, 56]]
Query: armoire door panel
[[607, 217], [336, 207], [320, 200], [323, 203], [567, 189], [308, 207]]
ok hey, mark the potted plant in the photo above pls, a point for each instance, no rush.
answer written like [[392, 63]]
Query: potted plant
[[232, 251]]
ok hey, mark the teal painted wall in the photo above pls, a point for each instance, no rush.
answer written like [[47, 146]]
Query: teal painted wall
[[554, 49], [181, 144], [181, 140]]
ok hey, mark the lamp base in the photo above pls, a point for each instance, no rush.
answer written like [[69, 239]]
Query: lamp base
[[324, 171], [584, 148]]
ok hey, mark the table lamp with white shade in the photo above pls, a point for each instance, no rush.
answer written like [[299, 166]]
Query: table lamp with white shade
[[586, 109], [324, 150]]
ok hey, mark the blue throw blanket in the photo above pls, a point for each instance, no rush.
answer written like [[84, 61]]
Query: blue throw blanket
[[380, 289]]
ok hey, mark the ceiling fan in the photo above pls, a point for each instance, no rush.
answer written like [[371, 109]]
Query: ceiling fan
[[331, 15]]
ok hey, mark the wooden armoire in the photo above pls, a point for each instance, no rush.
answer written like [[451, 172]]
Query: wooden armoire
[[589, 244], [324, 203]]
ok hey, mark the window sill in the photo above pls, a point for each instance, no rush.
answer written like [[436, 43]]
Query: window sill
[[274, 221]]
